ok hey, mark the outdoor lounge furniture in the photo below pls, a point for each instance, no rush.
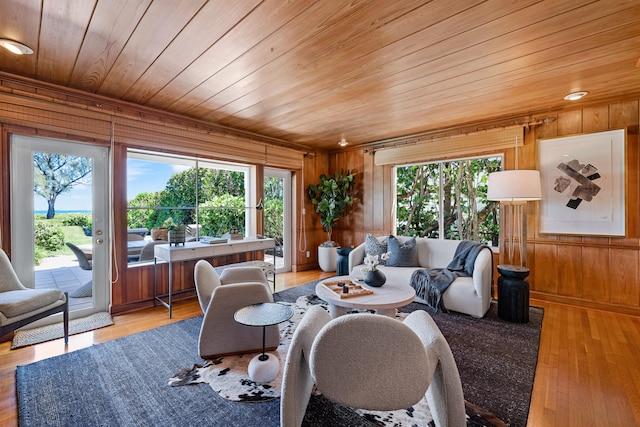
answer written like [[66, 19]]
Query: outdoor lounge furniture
[[141, 232], [147, 252], [85, 290], [20, 306]]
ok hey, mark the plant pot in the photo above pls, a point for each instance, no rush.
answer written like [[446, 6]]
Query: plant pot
[[375, 278], [159, 233], [177, 237], [327, 258]]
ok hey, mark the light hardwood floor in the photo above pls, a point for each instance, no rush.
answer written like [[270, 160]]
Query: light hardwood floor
[[588, 370]]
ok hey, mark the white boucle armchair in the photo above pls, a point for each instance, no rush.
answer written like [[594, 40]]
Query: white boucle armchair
[[371, 362], [220, 297]]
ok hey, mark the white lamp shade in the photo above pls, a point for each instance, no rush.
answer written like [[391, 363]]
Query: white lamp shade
[[514, 186]]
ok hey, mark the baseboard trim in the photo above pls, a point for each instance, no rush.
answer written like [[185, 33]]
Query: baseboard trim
[[578, 302]]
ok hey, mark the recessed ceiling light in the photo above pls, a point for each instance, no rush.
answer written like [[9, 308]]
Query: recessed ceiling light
[[16, 47], [343, 143], [574, 96]]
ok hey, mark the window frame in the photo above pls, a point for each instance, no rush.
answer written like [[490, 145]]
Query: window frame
[[250, 187], [441, 218]]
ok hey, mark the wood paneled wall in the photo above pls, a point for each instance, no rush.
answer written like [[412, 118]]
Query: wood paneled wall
[[599, 272]]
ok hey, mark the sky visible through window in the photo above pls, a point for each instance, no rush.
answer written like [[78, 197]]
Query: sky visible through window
[[142, 176]]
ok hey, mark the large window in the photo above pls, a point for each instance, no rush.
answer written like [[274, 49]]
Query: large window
[[212, 198], [447, 200]]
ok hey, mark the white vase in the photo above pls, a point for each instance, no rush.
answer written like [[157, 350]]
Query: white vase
[[327, 258]]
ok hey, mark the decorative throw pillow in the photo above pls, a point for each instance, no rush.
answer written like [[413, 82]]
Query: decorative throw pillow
[[402, 254], [375, 247]]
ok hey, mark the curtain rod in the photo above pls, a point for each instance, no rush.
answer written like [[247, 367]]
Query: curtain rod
[[444, 133]]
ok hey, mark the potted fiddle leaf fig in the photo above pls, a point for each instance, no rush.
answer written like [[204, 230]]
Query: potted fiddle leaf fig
[[331, 196]]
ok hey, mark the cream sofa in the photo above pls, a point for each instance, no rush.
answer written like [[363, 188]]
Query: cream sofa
[[469, 295]]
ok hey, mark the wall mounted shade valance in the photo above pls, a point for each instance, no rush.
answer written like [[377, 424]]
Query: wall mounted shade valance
[[448, 147], [144, 131]]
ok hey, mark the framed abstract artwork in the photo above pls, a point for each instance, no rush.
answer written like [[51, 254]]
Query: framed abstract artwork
[[583, 184]]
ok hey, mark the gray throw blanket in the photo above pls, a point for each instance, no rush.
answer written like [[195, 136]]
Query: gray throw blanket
[[431, 283]]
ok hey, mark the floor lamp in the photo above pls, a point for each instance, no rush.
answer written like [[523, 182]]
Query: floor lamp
[[260, 212], [513, 189]]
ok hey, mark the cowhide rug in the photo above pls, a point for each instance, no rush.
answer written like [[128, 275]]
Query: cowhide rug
[[229, 378], [228, 375]]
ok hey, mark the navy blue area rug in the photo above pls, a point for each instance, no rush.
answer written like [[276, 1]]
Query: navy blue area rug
[[124, 382]]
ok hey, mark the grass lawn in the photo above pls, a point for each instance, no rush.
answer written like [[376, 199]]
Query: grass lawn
[[72, 233]]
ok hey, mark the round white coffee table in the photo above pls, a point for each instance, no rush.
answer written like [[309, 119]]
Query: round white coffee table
[[385, 299]]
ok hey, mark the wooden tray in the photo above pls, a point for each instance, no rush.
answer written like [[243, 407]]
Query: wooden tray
[[355, 290]]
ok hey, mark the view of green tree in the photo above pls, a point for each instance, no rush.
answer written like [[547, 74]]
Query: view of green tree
[[221, 214], [144, 217], [223, 208], [152, 209], [462, 187], [274, 220], [55, 174], [273, 188], [274, 209], [215, 182]]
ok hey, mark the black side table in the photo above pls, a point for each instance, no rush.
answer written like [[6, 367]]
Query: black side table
[[513, 293], [342, 262]]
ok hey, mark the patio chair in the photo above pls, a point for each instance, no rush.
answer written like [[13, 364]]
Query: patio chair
[[148, 251], [85, 290], [20, 306]]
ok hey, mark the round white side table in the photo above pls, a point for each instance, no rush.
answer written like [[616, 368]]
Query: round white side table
[[264, 367]]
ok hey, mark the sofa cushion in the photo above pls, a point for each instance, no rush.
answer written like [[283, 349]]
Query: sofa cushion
[[402, 253], [374, 246]]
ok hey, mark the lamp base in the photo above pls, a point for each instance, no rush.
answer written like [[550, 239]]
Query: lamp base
[[513, 233]]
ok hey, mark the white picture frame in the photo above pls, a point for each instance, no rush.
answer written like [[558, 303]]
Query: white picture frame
[[583, 184]]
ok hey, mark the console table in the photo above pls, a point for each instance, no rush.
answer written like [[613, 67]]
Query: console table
[[196, 250]]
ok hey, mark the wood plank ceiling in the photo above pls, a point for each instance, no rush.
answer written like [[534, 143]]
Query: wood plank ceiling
[[311, 72]]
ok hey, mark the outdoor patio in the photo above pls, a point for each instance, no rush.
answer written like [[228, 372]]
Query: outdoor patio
[[63, 272]]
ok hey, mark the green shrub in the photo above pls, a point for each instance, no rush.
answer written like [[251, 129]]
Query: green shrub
[[38, 255], [48, 237], [81, 220], [274, 220], [222, 214]]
